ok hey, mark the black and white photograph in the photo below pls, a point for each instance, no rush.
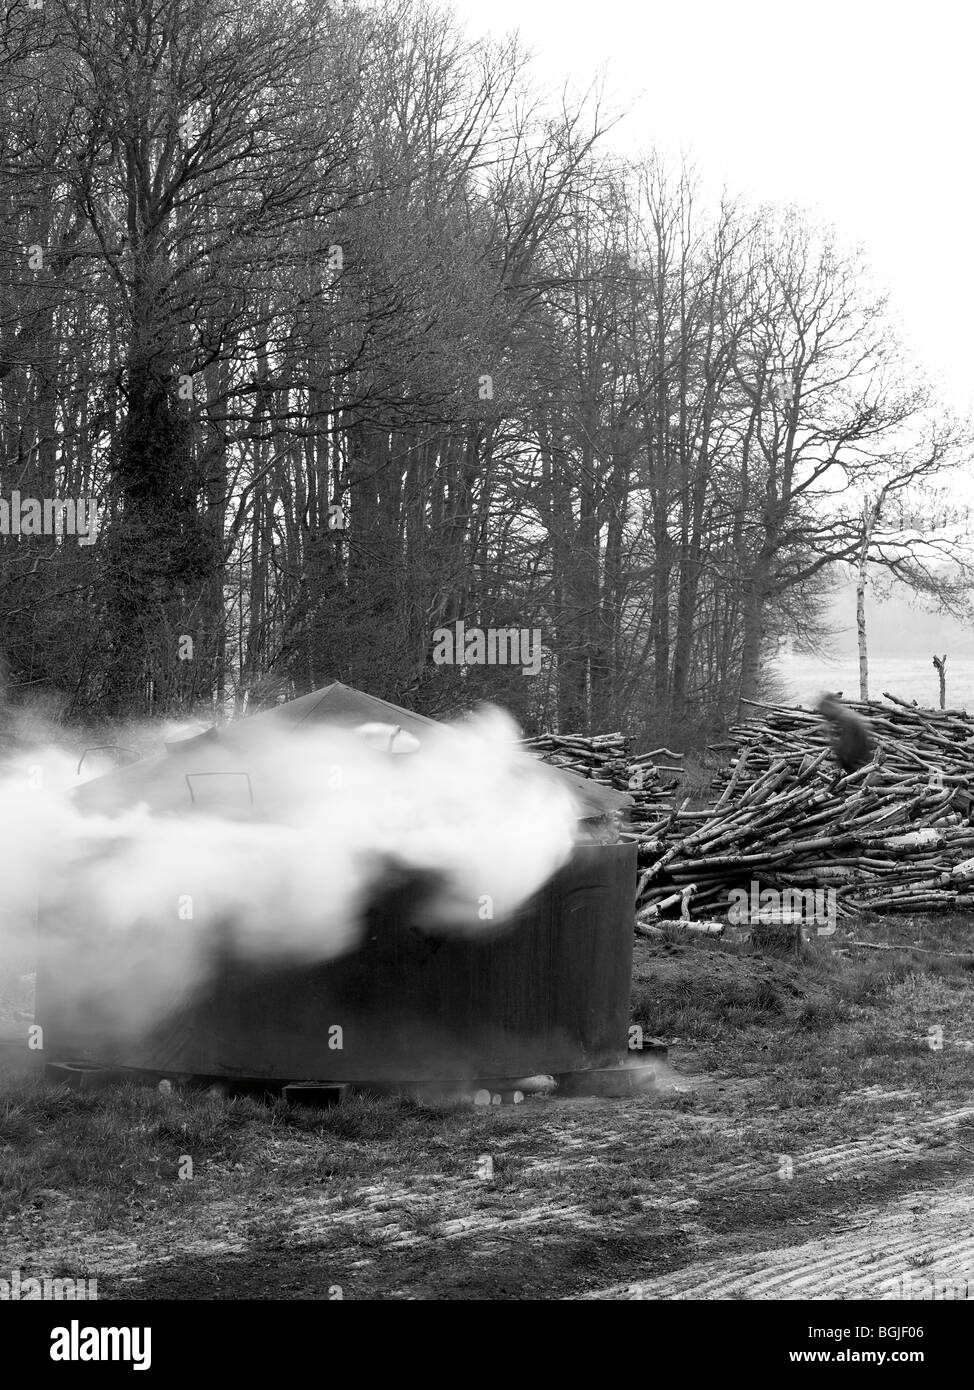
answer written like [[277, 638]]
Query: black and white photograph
[[486, 669]]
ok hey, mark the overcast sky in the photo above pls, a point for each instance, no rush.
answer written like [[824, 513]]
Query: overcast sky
[[858, 109]]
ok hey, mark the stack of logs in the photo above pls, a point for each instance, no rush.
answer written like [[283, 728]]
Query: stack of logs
[[607, 758], [894, 835]]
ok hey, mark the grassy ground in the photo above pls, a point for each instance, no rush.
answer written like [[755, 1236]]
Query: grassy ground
[[815, 1138]]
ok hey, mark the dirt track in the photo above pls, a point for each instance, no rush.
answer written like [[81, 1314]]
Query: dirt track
[[801, 1150], [920, 1239], [852, 1221]]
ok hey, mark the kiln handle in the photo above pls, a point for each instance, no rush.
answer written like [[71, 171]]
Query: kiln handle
[[112, 748]]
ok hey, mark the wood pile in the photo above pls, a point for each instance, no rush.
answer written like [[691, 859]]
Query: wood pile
[[895, 835], [607, 758]]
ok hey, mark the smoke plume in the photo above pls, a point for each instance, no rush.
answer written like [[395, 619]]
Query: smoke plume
[[155, 891]]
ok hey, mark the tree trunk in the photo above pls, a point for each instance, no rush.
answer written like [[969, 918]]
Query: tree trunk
[[861, 621], [753, 644]]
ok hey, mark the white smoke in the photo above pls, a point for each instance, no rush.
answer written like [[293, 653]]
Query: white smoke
[[139, 903]]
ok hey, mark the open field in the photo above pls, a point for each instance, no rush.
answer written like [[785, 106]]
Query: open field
[[811, 1143], [803, 678]]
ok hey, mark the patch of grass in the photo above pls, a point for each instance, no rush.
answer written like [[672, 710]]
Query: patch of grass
[[819, 1013], [691, 1000], [111, 1141]]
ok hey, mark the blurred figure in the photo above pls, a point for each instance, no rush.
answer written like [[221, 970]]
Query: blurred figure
[[852, 742]]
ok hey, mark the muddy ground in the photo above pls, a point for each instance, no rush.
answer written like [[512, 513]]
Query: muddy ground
[[814, 1139]]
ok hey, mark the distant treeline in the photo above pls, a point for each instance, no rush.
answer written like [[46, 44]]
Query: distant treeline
[[353, 336]]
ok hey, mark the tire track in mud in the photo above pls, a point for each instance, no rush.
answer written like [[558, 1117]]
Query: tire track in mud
[[913, 1246], [924, 1237], [538, 1219], [837, 1160], [396, 1235], [886, 1145], [925, 1234]]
